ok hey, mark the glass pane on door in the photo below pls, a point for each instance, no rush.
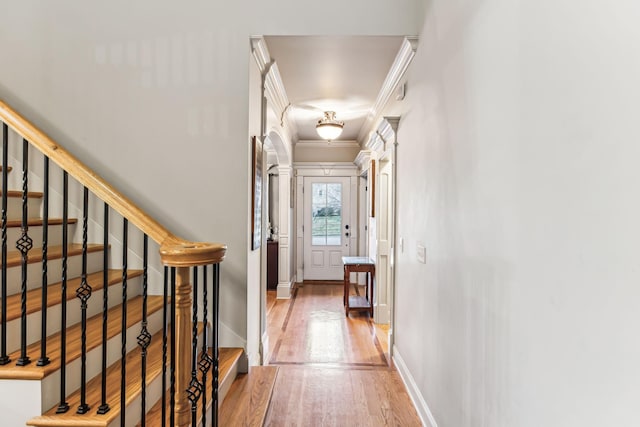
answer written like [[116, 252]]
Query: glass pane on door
[[326, 214]]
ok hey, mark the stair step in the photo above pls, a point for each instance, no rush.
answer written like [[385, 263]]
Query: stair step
[[249, 397], [9, 168], [54, 231], [54, 294], [94, 387], [37, 222], [227, 368], [18, 194], [14, 204], [14, 258], [94, 340]]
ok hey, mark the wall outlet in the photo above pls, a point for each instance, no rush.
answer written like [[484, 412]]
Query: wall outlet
[[421, 252]]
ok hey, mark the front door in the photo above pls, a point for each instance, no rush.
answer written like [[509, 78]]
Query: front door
[[326, 227]]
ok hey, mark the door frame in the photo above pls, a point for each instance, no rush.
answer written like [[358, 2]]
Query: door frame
[[322, 169], [331, 266], [383, 146]]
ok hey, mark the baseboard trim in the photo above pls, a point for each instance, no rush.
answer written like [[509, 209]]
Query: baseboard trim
[[265, 348], [414, 392], [284, 290], [382, 314]]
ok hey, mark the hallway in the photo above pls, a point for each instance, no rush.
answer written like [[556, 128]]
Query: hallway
[[333, 369]]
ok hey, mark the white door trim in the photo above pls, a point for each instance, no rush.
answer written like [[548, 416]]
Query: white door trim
[[302, 169], [323, 261]]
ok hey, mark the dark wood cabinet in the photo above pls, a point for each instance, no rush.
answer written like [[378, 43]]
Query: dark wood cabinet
[[272, 264]]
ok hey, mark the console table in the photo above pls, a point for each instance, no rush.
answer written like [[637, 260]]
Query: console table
[[354, 264]]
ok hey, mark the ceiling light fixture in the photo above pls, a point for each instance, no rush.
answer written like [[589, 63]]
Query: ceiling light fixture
[[328, 127]]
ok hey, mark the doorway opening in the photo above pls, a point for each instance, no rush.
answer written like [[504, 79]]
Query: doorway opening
[[327, 213]]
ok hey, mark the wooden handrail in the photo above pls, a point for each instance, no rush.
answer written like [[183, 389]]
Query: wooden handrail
[[174, 251]]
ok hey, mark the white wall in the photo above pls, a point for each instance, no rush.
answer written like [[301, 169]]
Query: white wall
[[518, 165], [116, 81]]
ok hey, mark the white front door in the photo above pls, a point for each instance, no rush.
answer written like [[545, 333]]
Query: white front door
[[326, 227]]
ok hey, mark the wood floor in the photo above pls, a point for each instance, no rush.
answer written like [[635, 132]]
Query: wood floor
[[333, 370]]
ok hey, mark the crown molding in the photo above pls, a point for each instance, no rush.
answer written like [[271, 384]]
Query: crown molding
[[384, 136], [396, 72], [362, 159], [274, 87], [260, 52]]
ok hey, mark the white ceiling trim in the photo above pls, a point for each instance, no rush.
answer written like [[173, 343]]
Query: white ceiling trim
[[260, 52], [362, 159], [274, 87], [383, 137], [400, 64]]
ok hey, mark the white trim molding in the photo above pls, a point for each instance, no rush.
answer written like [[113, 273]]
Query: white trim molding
[[382, 140], [362, 161], [318, 143], [414, 392], [274, 87], [284, 290], [264, 350], [396, 72], [325, 169]]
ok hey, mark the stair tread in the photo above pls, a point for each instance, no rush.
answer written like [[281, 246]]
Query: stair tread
[[227, 357], [54, 295], [94, 388], [18, 193], [14, 258], [94, 339], [248, 399], [9, 168], [37, 222]]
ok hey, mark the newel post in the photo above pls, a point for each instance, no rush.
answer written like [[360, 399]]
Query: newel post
[[183, 345], [184, 256]]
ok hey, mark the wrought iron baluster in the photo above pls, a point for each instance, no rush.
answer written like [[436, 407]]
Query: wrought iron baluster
[[64, 406], [4, 358], [144, 339], [24, 245], [214, 344], [44, 360], [195, 387], [165, 315], [205, 358], [84, 293], [104, 406], [123, 332], [172, 370]]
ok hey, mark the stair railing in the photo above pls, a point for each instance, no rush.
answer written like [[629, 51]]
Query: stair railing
[[185, 350]]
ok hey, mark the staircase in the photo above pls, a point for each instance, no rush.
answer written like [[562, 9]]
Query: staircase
[[94, 333]]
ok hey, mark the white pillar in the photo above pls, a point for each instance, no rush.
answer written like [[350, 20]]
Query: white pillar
[[285, 282]]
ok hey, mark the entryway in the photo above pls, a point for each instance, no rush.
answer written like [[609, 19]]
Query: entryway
[[326, 226]]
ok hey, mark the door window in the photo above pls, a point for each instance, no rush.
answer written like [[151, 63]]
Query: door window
[[326, 214]]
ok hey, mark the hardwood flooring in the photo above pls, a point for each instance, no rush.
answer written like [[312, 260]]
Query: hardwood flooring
[[334, 370]]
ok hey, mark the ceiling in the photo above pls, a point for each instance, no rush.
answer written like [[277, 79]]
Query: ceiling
[[341, 74]]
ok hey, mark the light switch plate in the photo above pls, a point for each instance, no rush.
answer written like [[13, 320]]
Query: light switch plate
[[421, 253]]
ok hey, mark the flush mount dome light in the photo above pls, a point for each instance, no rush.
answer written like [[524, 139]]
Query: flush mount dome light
[[328, 127]]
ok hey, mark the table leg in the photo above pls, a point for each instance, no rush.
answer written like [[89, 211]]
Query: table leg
[[373, 275], [346, 290]]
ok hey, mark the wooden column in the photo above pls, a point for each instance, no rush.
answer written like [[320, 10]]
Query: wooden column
[[184, 255], [183, 345]]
